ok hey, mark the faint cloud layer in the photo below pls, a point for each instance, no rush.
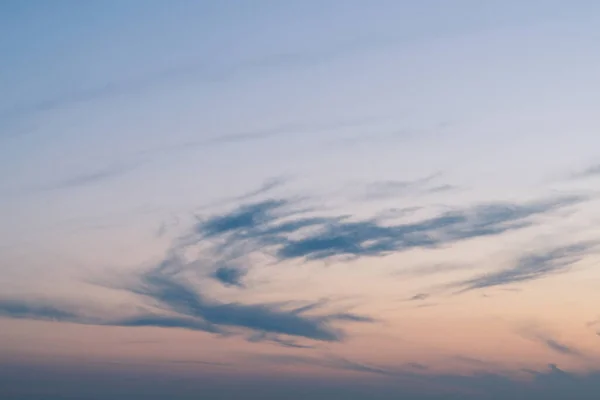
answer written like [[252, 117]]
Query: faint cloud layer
[[589, 172], [225, 246], [89, 178], [538, 335], [387, 189], [552, 383], [24, 380], [531, 267]]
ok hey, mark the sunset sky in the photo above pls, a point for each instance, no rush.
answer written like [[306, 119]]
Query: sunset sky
[[335, 199]]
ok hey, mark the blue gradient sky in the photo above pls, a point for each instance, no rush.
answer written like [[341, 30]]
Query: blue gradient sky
[[366, 199]]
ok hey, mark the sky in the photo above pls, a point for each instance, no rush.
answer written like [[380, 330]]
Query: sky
[[299, 199]]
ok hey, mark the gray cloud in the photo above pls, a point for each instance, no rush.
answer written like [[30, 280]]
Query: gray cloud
[[180, 306], [593, 324], [442, 188], [34, 310], [419, 296], [177, 303], [264, 337], [531, 267], [387, 189], [329, 361], [589, 172], [560, 347], [545, 339], [473, 361], [262, 225], [432, 270], [230, 276], [280, 229], [92, 177], [214, 316]]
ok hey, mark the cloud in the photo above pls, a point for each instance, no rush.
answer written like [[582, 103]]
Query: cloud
[[560, 347], [176, 303], [164, 321], [34, 310], [264, 337], [266, 187], [540, 336], [288, 129], [594, 323], [442, 188], [327, 361], [200, 70], [282, 230], [230, 276], [224, 244], [433, 270], [419, 296], [589, 172], [531, 267], [245, 218], [92, 177], [176, 297], [372, 238], [473, 361], [392, 188], [180, 306]]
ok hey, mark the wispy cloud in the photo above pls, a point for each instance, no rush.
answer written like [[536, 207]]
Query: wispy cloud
[[538, 335], [177, 297], [432, 269], [591, 171], [284, 229], [372, 238], [198, 70], [175, 302], [419, 297], [531, 267], [442, 188], [92, 177], [180, 306], [479, 363], [593, 324], [265, 337], [387, 189], [35, 310], [330, 361]]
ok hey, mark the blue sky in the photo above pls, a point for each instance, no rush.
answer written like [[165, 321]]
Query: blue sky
[[343, 193]]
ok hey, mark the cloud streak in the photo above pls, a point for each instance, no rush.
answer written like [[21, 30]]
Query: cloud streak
[[530, 267], [389, 189], [275, 226], [93, 177], [34, 310], [214, 316], [591, 171], [551, 343]]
